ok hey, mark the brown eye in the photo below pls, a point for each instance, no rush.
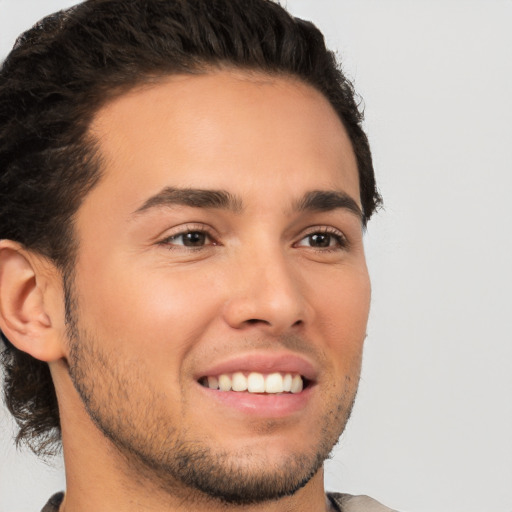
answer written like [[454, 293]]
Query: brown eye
[[190, 239], [194, 239], [320, 240], [324, 240]]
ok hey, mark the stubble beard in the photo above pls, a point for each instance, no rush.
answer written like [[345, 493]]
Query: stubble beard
[[120, 401]]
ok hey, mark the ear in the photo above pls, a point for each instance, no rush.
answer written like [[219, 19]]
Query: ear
[[29, 313]]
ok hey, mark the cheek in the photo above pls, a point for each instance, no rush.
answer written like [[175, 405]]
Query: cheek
[[342, 313], [157, 313]]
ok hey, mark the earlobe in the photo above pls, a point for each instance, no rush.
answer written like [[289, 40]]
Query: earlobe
[[25, 315]]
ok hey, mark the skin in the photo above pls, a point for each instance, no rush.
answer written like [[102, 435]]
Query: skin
[[151, 314]]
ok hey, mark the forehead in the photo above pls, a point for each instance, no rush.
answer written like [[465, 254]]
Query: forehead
[[224, 130]]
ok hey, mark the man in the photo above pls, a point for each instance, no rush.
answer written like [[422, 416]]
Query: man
[[183, 287]]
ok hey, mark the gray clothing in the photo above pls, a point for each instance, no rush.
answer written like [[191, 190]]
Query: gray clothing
[[350, 503], [342, 502]]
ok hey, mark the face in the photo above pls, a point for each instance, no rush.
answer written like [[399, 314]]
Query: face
[[221, 250]]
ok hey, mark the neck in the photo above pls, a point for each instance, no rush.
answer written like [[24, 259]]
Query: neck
[[102, 487]]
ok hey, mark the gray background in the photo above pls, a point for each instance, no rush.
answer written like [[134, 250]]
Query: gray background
[[432, 428]]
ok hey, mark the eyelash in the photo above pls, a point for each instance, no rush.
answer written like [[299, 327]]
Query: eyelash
[[341, 240], [167, 241]]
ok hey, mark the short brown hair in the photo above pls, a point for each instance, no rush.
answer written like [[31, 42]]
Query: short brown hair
[[71, 63]]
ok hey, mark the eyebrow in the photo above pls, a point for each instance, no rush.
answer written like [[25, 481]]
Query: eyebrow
[[315, 200], [326, 200], [195, 198]]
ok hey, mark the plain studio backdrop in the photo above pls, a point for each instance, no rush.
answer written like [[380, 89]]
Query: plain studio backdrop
[[432, 428]]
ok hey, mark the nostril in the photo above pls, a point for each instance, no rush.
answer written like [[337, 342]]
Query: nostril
[[253, 321]]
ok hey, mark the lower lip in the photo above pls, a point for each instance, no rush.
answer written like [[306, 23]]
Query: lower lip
[[261, 405]]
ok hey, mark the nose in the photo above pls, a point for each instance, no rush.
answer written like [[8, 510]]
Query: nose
[[266, 293]]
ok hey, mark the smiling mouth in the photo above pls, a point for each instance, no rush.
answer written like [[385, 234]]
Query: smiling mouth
[[255, 382]]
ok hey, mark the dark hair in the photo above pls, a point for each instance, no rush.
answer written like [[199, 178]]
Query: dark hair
[[71, 63]]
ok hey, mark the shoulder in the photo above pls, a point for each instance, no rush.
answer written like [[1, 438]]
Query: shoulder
[[351, 503]]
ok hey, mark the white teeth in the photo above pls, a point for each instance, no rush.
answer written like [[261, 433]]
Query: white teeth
[[296, 384], [287, 382], [239, 382], [213, 383], [256, 382], [274, 383], [224, 383]]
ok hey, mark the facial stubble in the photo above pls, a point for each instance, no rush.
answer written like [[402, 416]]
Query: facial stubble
[[132, 415]]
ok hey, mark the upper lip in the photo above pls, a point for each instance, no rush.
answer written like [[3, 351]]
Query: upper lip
[[283, 362]]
